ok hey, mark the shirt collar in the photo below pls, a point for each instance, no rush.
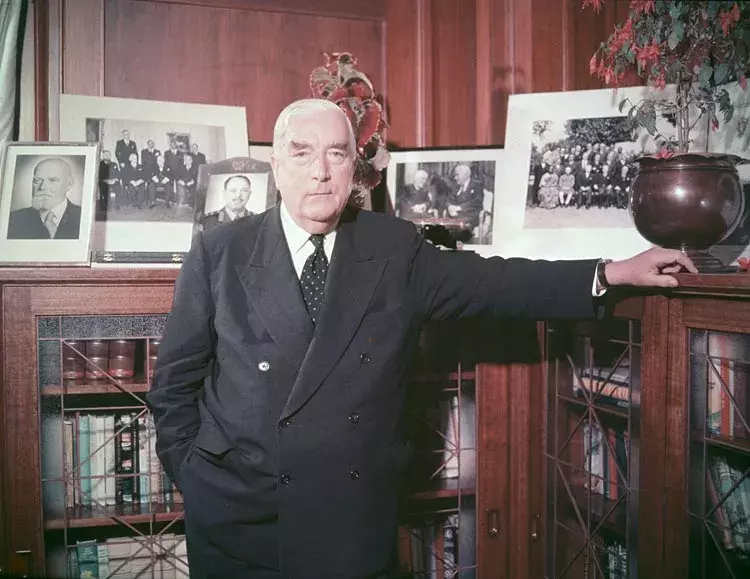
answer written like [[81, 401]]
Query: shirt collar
[[296, 237], [58, 210]]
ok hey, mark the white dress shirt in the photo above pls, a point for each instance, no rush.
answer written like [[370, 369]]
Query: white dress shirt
[[300, 246], [58, 211], [298, 241]]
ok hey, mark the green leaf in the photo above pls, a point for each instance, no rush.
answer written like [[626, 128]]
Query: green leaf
[[646, 117], [704, 76], [677, 34], [623, 102], [713, 9], [721, 73]]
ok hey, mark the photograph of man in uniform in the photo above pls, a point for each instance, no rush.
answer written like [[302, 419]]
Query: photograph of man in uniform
[[52, 215], [237, 190]]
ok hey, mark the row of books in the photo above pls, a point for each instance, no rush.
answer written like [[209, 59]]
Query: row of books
[[728, 401], [607, 384], [430, 550], [157, 557], [733, 514], [605, 459], [109, 459]]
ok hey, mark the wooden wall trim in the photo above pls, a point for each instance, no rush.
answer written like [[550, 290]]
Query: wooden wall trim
[[41, 70], [424, 74], [360, 9], [484, 64]]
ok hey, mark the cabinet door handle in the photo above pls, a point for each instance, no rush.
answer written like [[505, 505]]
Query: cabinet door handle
[[493, 527], [535, 528]]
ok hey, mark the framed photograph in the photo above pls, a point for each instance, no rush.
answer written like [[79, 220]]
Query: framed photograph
[[452, 187], [151, 152], [567, 174], [47, 203], [231, 189], [733, 137]]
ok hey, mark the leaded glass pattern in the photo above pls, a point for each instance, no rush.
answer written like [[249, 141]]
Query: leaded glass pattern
[[108, 507], [719, 454], [592, 449]]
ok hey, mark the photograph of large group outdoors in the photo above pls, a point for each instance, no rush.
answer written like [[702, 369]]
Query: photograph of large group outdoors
[[149, 170], [581, 171], [457, 195]]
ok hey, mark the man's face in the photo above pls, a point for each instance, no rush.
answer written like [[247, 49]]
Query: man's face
[[51, 182], [315, 168], [150, 144], [126, 135], [420, 178], [194, 148], [106, 155], [462, 174], [236, 194]]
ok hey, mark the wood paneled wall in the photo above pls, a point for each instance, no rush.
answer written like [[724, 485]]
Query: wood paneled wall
[[446, 67]]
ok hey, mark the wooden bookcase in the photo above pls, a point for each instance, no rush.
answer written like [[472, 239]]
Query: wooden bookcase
[[456, 466], [646, 444]]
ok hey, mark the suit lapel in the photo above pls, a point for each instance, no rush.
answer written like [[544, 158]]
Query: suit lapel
[[272, 285], [351, 282]]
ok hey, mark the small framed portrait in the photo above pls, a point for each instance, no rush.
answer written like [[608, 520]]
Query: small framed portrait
[[232, 189], [451, 187], [47, 203]]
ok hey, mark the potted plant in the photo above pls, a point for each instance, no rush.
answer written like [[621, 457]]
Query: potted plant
[[341, 82], [681, 198]]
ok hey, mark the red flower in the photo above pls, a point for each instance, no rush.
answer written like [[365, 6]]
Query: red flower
[[593, 64], [597, 4], [744, 263], [646, 54], [714, 124], [729, 18], [664, 153]]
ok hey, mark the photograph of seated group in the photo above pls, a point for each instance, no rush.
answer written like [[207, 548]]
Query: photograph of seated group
[[395, 289]]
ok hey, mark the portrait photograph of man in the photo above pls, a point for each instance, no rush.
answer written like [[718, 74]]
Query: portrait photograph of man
[[233, 196], [46, 201]]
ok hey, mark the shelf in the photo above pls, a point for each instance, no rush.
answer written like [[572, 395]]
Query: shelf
[[83, 517], [442, 489], [615, 522], [610, 409], [100, 387], [740, 445]]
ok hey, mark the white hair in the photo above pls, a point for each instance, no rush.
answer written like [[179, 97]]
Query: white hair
[[306, 107]]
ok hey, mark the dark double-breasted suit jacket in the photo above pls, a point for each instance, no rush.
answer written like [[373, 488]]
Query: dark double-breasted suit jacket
[[27, 223], [288, 454]]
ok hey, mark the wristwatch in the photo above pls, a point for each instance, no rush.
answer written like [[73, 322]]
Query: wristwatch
[[601, 275]]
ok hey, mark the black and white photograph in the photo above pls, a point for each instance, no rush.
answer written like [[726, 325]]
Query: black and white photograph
[[568, 171], [454, 188], [47, 202], [151, 153], [232, 189], [581, 170], [733, 137], [149, 170]]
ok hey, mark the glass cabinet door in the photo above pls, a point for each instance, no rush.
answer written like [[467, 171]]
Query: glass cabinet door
[[437, 533], [719, 454], [109, 510], [592, 449]]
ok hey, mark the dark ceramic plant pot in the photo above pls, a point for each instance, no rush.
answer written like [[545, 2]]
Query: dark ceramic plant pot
[[689, 202]]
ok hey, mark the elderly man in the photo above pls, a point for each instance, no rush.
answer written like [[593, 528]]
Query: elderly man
[[416, 200], [51, 215], [279, 386], [237, 189]]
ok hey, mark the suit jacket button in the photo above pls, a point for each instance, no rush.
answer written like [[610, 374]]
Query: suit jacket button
[[285, 423], [285, 479], [354, 474], [354, 418], [365, 358], [264, 366]]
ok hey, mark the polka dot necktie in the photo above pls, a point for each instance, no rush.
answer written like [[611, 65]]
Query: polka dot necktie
[[313, 278]]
